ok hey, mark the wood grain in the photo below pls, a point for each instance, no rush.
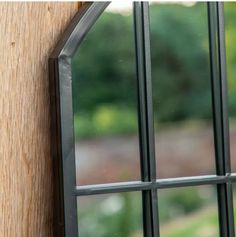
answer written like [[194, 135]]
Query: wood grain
[[28, 32]]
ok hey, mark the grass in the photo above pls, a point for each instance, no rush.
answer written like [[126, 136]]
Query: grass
[[201, 223], [198, 224]]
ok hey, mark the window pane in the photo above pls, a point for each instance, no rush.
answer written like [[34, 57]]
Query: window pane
[[230, 30], [105, 101], [234, 203], [181, 89], [114, 215], [188, 212]]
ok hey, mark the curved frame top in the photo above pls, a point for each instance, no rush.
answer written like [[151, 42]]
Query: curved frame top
[[78, 28], [62, 117]]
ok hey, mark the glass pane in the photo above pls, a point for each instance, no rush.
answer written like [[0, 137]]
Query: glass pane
[[105, 101], [230, 30], [114, 215], [188, 212], [234, 203], [181, 89]]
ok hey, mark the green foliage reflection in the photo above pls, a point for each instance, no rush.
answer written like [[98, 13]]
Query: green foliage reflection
[[104, 69], [105, 104], [117, 215]]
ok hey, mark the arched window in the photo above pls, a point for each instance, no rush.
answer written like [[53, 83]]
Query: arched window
[[69, 99]]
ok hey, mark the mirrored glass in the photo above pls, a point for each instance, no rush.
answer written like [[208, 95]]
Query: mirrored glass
[[181, 89], [105, 100], [234, 203], [230, 37], [188, 212], [113, 215]]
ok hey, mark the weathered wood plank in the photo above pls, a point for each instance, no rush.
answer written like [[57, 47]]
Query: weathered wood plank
[[28, 32]]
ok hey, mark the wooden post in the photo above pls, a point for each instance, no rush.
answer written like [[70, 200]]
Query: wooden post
[[28, 33]]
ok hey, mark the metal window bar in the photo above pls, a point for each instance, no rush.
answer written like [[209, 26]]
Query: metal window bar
[[62, 124], [159, 184], [220, 114], [145, 108]]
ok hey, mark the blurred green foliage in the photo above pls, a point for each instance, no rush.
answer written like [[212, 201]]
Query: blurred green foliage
[[120, 215], [180, 65], [183, 201], [105, 99], [104, 66], [104, 80], [230, 29], [104, 121], [117, 215]]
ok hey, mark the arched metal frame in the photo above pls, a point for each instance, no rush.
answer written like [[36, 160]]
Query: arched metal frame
[[66, 192]]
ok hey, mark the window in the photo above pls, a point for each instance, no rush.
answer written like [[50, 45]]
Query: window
[[141, 190]]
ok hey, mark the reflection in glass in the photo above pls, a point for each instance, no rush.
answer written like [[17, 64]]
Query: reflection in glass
[[234, 202], [104, 97], [113, 215], [188, 212], [230, 31], [181, 89]]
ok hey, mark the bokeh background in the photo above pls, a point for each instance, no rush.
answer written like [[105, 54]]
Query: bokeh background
[[106, 123]]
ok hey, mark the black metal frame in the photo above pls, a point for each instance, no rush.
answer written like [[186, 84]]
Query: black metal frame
[[62, 124]]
